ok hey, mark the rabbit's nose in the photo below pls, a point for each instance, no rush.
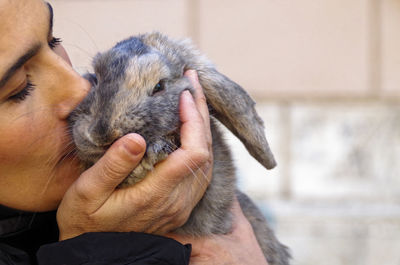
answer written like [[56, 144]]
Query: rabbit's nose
[[101, 134]]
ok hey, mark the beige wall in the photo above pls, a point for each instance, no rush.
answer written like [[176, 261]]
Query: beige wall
[[326, 76], [275, 49]]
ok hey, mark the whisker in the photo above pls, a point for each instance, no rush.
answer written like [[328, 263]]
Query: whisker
[[192, 162], [87, 53], [69, 151], [87, 34], [190, 168]]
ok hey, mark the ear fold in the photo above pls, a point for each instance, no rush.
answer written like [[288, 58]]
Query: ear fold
[[232, 105], [235, 109]]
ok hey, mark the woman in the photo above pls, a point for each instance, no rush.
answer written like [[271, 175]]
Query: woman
[[38, 174]]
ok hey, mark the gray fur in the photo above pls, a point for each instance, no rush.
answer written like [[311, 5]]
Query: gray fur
[[122, 101]]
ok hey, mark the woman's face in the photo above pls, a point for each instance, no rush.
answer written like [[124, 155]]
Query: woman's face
[[38, 89]]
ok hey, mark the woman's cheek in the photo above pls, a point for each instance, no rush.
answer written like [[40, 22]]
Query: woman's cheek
[[24, 139], [15, 143]]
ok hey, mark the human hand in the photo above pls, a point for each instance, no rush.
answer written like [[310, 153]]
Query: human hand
[[163, 200], [240, 247]]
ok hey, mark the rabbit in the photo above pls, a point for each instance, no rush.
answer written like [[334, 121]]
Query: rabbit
[[136, 87]]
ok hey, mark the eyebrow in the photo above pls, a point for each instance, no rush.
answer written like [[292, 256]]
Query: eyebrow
[[28, 54]]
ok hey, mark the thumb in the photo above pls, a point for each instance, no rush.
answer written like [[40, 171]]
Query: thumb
[[98, 182]]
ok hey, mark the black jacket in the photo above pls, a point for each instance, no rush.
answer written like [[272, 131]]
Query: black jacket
[[32, 238]]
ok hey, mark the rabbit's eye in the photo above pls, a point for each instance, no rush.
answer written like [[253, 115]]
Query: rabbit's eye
[[158, 88]]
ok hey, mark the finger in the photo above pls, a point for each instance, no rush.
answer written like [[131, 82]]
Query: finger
[[236, 209], [199, 96], [241, 224], [193, 129], [98, 182]]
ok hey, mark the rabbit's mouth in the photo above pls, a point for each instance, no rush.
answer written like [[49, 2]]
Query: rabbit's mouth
[[160, 149], [156, 152], [172, 142]]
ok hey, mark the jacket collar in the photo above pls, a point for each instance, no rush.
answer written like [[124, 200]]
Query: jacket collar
[[14, 221]]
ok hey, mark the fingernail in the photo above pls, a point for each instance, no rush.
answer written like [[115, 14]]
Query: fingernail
[[134, 145], [193, 74], [188, 96]]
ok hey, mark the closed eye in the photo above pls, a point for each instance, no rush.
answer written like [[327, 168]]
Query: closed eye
[[23, 93]]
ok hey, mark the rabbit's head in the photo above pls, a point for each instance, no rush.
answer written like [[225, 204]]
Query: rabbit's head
[[136, 88]]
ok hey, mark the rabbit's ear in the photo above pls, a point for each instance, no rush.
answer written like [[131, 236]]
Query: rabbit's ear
[[232, 106]]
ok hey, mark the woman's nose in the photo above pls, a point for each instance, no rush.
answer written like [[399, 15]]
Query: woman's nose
[[72, 89], [75, 91]]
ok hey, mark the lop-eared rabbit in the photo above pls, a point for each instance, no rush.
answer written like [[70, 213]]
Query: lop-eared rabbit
[[136, 87]]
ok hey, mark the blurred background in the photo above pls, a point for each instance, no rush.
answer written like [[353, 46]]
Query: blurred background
[[326, 78]]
